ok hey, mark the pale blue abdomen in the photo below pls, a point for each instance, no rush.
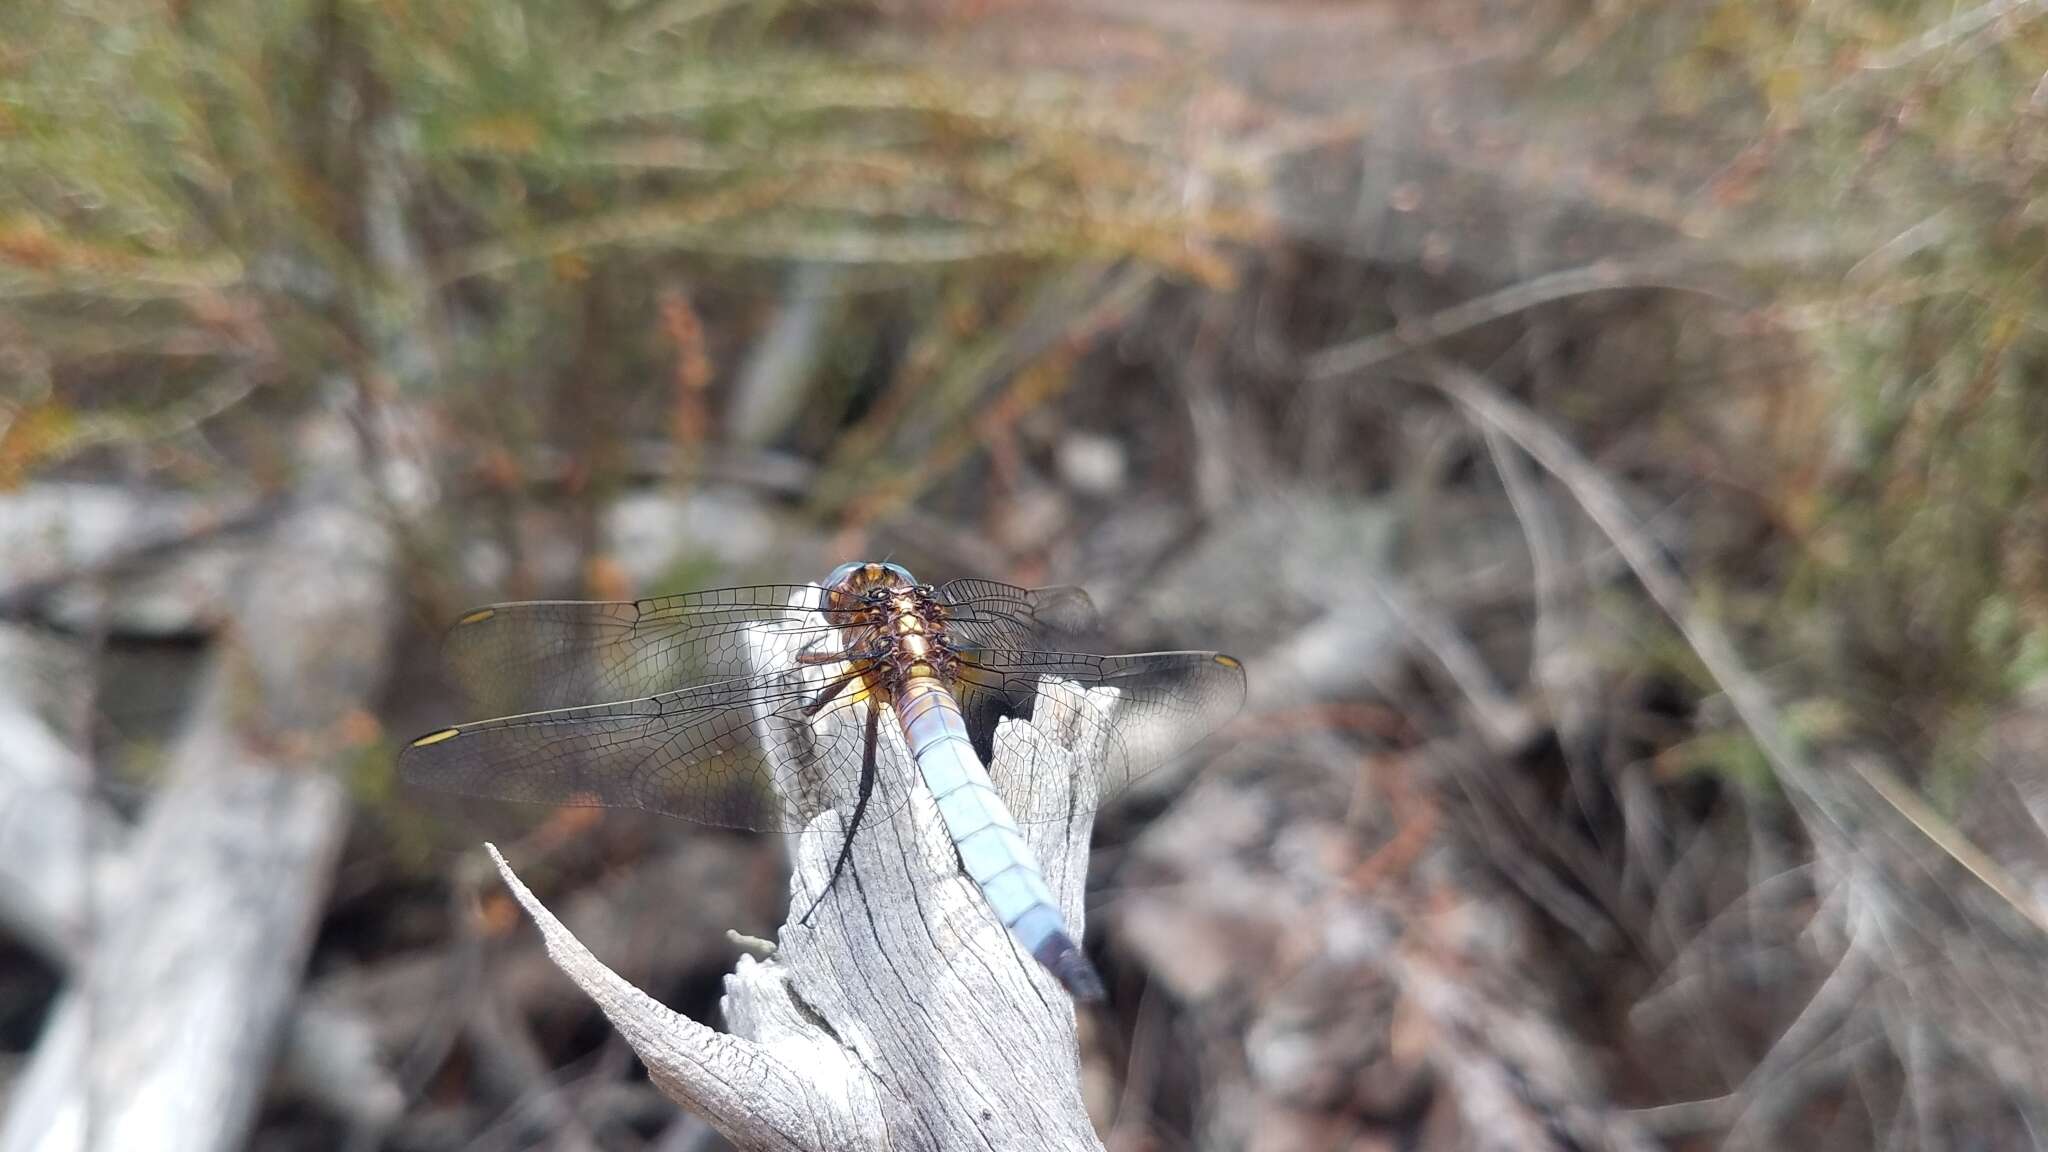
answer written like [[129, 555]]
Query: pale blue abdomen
[[991, 848]]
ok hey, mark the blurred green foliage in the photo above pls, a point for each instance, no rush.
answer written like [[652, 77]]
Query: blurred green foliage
[[1883, 167], [540, 226], [475, 200], [214, 204]]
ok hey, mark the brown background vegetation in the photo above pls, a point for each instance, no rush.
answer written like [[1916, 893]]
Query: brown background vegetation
[[1612, 434]]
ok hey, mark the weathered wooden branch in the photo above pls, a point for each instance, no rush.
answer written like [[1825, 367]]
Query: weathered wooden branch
[[169, 556], [773, 382], [166, 1037], [49, 822], [61, 850], [899, 1014]]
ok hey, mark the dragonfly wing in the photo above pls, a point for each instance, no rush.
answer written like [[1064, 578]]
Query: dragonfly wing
[[723, 754], [985, 617], [547, 654], [984, 613], [1129, 714]]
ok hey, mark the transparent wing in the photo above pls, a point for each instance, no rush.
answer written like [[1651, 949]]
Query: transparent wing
[[540, 655], [1131, 714], [723, 754], [984, 613], [695, 706]]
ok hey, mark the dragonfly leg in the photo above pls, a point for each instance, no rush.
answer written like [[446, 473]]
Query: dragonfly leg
[[860, 807], [831, 691], [872, 652]]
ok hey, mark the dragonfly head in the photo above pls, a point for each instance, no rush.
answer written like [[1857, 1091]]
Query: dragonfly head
[[861, 580]]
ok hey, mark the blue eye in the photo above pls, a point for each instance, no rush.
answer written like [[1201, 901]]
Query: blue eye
[[900, 570], [840, 574]]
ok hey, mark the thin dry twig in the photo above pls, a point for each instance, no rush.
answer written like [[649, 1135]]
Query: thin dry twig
[[1348, 360], [1831, 1005], [1956, 29], [1504, 723]]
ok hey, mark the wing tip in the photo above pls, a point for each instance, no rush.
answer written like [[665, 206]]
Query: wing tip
[[1240, 679]]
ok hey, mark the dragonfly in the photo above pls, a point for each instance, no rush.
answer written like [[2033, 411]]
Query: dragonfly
[[720, 707]]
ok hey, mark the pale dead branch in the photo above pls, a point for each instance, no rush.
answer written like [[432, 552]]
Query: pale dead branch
[[167, 1035]]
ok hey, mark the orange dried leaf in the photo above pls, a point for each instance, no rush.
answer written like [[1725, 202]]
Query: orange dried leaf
[[496, 916], [513, 135], [606, 579]]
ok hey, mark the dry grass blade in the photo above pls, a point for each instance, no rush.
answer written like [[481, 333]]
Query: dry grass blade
[[1347, 360]]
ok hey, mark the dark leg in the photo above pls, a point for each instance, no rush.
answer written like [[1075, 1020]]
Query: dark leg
[[874, 652], [831, 691], [860, 808]]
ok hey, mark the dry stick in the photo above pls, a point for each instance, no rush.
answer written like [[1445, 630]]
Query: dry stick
[[1503, 723], [1826, 1011], [509, 1054], [49, 820], [1548, 557], [1564, 678], [133, 554], [773, 381], [1751, 700], [62, 852], [1348, 360]]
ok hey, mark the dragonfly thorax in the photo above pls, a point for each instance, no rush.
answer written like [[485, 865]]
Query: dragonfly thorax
[[894, 634]]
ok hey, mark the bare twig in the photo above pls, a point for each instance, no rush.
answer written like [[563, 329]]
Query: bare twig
[[510, 1055], [1830, 1005], [126, 553], [1506, 726], [1348, 360], [49, 821]]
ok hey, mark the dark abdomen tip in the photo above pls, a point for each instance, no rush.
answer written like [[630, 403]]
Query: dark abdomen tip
[[1070, 965]]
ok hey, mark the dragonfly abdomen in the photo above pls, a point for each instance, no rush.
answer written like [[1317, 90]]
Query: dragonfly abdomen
[[991, 848]]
